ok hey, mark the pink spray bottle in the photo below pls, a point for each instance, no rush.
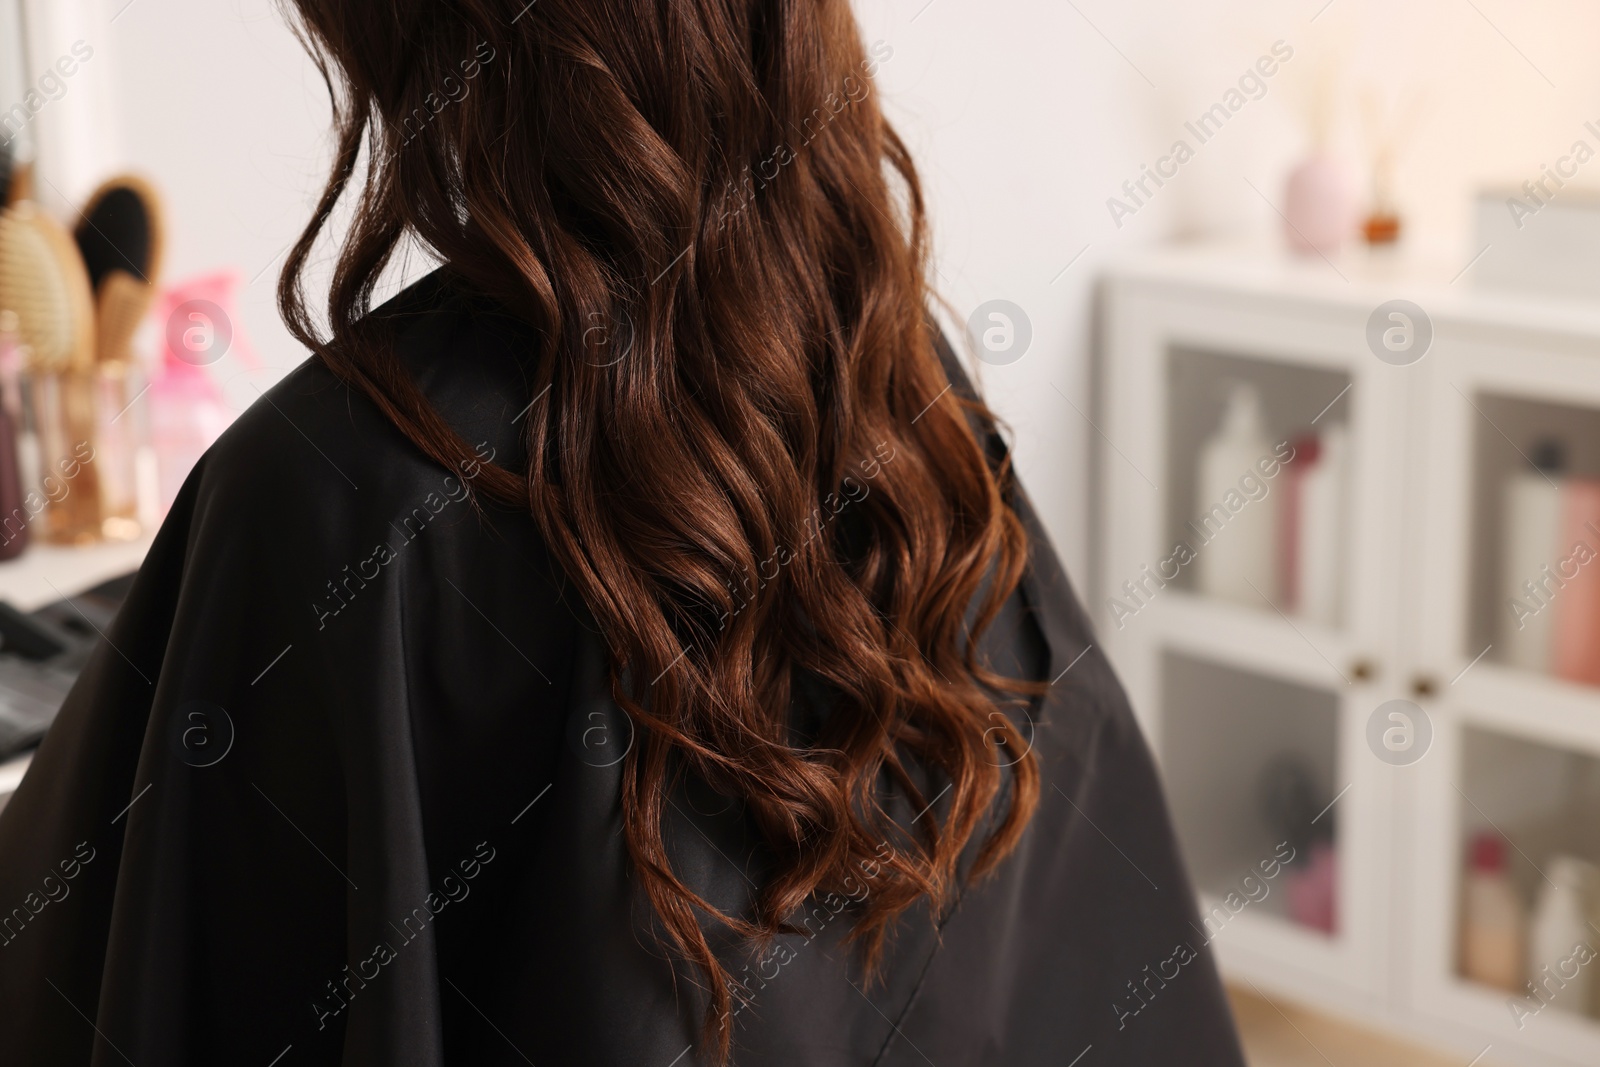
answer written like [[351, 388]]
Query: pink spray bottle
[[188, 410]]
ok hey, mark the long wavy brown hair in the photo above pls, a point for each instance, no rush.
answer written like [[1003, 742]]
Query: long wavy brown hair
[[743, 449]]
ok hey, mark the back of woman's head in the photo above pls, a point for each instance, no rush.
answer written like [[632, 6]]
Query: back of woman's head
[[744, 451]]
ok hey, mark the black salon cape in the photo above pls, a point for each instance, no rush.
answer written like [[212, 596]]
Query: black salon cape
[[341, 787]]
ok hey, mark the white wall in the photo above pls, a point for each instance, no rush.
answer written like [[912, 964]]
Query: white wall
[[1026, 116], [12, 62]]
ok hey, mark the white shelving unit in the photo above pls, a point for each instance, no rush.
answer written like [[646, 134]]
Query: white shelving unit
[[1225, 689]]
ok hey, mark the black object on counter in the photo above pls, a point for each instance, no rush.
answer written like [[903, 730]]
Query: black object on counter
[[40, 656]]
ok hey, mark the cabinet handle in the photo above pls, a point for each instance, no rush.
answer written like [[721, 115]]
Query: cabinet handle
[[1424, 685], [1363, 669]]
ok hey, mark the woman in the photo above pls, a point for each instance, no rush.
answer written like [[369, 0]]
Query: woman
[[628, 645]]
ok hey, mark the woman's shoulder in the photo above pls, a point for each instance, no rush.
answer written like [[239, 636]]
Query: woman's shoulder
[[314, 438]]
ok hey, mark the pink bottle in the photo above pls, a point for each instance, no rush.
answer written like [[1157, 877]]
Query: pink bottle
[[1494, 922], [1577, 603], [1313, 890], [1291, 520], [188, 411], [14, 514]]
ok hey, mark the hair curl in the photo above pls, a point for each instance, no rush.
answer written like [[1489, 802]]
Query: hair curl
[[747, 456]]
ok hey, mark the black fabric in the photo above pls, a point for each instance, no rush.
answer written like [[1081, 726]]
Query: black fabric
[[341, 788]]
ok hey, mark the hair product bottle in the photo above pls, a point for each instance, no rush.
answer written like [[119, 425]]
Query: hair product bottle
[[1530, 534], [1494, 926], [1561, 946], [1320, 556], [1237, 527], [14, 515], [1575, 654]]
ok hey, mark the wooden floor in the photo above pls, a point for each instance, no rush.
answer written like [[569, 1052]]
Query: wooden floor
[[1279, 1034]]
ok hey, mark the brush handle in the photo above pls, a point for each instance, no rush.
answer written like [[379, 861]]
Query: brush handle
[[120, 307]]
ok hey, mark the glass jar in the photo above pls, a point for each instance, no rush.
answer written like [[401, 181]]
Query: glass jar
[[64, 413]]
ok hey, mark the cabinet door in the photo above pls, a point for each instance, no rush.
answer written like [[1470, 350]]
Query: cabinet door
[[1517, 729], [1258, 714]]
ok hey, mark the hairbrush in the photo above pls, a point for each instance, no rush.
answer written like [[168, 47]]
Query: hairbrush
[[121, 240], [44, 282]]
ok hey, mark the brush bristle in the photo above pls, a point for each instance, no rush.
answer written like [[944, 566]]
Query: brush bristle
[[120, 229]]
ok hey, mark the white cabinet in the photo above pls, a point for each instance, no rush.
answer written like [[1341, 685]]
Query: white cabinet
[[1261, 718]]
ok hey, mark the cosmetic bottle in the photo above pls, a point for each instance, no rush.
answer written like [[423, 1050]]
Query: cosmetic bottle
[[1237, 529], [1494, 925], [27, 424], [1313, 888], [1561, 945], [1320, 554], [15, 520], [1575, 637], [1530, 536], [1291, 518], [120, 436], [188, 410]]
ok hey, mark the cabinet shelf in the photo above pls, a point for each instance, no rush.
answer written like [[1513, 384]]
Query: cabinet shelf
[[1528, 704], [1252, 638]]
